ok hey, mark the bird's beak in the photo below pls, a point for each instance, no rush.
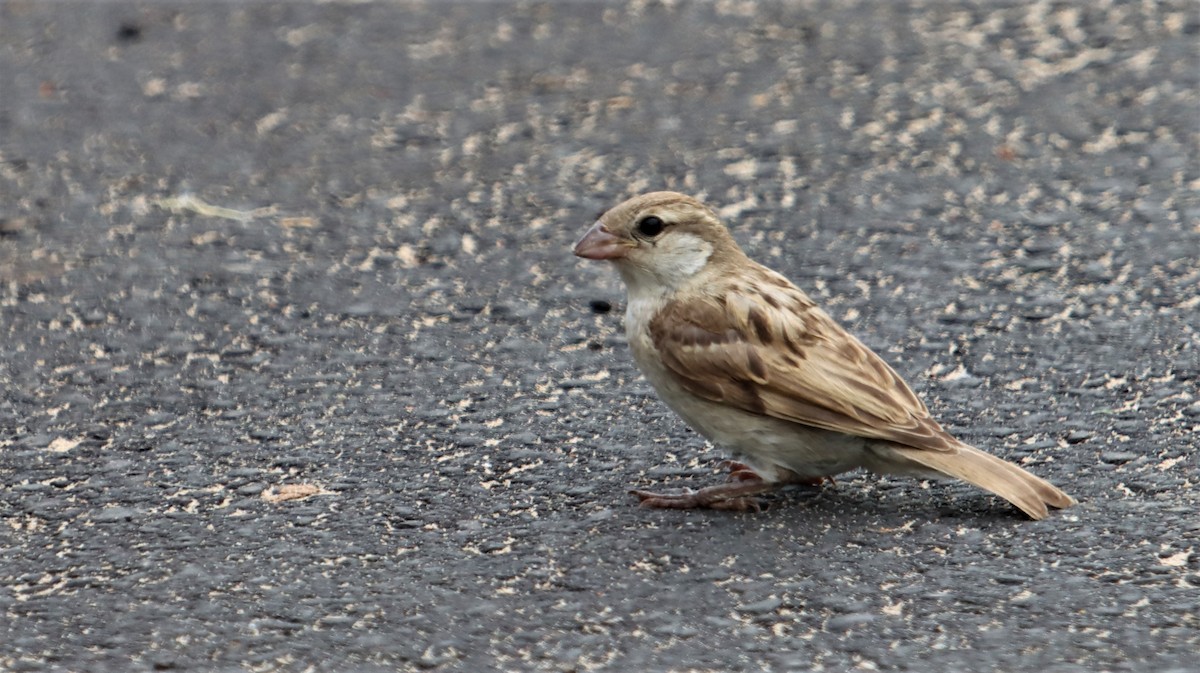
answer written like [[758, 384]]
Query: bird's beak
[[599, 243]]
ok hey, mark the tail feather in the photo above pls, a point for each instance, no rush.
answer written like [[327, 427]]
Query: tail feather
[[1027, 491]]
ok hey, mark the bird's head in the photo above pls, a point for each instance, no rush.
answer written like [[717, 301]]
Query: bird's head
[[661, 239]]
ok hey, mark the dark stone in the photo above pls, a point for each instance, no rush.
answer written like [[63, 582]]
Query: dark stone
[[600, 305]]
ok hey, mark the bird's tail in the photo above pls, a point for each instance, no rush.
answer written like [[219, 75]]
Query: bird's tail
[[1028, 492]]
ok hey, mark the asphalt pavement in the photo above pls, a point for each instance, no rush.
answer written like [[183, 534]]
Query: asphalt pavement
[[297, 372]]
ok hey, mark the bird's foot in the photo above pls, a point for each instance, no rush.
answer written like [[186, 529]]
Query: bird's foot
[[736, 497], [739, 471]]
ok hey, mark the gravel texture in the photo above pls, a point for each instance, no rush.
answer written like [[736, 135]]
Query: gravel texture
[[297, 372]]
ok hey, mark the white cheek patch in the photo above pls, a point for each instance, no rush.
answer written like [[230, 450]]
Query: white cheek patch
[[679, 256]]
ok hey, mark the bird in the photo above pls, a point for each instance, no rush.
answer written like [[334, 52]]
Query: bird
[[749, 361]]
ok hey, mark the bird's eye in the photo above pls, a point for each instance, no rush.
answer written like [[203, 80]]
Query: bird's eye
[[650, 226]]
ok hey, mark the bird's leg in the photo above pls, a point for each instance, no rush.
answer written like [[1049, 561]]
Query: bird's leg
[[736, 496], [743, 472]]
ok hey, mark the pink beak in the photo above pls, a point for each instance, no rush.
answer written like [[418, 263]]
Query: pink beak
[[599, 243]]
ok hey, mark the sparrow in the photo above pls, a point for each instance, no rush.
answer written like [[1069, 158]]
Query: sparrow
[[750, 362]]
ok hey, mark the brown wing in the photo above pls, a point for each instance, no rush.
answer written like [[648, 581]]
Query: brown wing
[[764, 347]]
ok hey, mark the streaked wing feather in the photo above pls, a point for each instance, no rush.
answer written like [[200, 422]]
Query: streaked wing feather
[[765, 348]]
